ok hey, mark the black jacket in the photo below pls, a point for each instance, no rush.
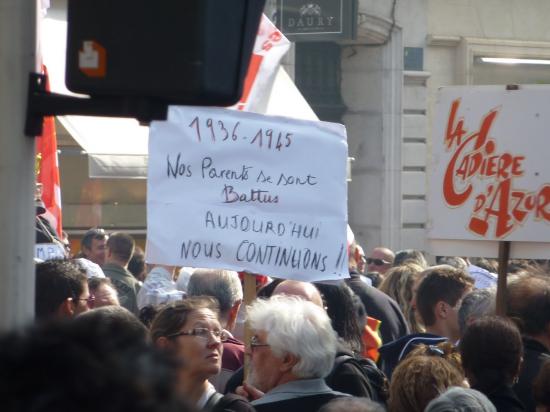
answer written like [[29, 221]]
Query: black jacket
[[504, 399], [345, 377], [393, 352], [534, 354]]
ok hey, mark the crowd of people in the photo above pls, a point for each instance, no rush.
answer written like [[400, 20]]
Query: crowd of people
[[113, 334]]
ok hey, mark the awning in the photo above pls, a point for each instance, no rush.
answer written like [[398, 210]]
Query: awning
[[116, 147]]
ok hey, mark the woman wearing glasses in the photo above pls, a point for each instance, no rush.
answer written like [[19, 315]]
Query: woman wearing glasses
[[190, 330]]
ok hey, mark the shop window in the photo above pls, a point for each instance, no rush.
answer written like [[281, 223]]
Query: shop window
[[318, 77]]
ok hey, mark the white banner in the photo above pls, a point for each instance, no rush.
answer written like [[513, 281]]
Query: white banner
[[242, 191], [490, 175]]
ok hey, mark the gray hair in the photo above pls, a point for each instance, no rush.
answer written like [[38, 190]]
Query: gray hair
[[224, 285], [298, 327], [477, 303], [461, 400], [352, 404]]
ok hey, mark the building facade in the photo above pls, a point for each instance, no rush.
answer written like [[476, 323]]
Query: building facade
[[389, 76], [382, 86]]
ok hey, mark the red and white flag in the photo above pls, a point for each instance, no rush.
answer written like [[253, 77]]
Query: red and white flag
[[270, 47], [47, 169]]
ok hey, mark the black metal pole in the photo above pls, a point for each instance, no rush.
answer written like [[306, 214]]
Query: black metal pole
[[502, 291]]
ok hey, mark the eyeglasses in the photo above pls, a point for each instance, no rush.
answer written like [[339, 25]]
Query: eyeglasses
[[203, 333], [377, 262], [254, 343]]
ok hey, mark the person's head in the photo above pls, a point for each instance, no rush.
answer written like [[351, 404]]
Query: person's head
[[357, 259], [419, 379], [439, 297], [529, 306], [444, 350], [352, 404], [190, 330], [67, 366], [477, 303], [305, 290], [541, 388], [291, 339], [93, 245], [410, 256], [341, 307], [66, 243], [136, 265], [61, 290], [454, 261], [459, 399], [380, 260], [398, 285], [491, 351], [147, 314], [225, 286], [112, 319], [103, 291], [267, 290], [120, 247], [523, 266]]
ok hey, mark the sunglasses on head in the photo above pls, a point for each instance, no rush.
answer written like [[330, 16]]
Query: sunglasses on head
[[377, 262]]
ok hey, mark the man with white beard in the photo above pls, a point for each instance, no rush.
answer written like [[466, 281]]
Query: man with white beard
[[292, 349]]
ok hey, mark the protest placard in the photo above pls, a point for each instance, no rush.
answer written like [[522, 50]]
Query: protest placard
[[490, 179], [48, 251], [242, 191]]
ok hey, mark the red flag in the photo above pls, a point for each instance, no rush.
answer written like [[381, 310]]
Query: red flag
[[47, 169]]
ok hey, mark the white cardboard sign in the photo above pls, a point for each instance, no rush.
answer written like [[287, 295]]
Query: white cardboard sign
[[490, 174], [243, 191], [48, 251]]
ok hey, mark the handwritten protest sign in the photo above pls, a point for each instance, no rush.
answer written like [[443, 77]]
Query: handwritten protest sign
[[48, 251], [243, 191], [490, 176]]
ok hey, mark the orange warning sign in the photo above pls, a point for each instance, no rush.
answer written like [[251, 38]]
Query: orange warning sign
[[92, 59]]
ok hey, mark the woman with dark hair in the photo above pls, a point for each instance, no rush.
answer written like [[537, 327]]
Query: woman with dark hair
[[348, 317], [190, 330], [344, 313], [492, 351]]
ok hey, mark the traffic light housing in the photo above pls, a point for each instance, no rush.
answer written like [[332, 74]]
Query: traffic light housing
[[189, 52]]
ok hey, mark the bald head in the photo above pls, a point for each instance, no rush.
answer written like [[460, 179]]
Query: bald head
[[303, 289], [380, 260]]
